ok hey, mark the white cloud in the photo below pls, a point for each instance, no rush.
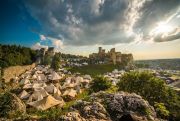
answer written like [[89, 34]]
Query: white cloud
[[42, 37], [38, 46], [57, 43], [132, 14]]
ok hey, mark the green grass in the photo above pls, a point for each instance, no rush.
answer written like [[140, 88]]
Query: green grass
[[94, 70]]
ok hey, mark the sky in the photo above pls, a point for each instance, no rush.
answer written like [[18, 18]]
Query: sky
[[149, 29]]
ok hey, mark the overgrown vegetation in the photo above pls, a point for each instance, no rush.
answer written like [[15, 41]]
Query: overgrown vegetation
[[152, 89], [46, 60], [12, 55], [95, 70], [56, 61], [9, 106], [161, 110], [100, 83]]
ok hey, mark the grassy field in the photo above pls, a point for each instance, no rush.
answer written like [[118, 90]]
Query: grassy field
[[94, 70]]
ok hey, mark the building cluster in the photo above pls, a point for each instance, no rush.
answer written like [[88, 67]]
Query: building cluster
[[111, 57]]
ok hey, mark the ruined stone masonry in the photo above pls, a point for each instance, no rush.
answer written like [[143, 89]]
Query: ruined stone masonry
[[111, 56]]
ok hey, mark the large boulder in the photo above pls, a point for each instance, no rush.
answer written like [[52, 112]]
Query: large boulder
[[72, 116], [87, 111], [11, 105], [123, 104], [104, 106]]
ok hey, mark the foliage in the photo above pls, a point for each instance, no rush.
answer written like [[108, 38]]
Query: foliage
[[11, 55], [52, 113], [161, 110], [8, 107], [100, 83], [94, 70], [4, 104], [46, 60], [56, 61], [112, 89], [151, 88]]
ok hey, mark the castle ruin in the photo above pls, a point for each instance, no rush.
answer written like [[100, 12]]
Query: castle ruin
[[43, 52], [111, 57]]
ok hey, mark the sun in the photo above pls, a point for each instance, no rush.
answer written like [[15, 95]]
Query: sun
[[162, 28]]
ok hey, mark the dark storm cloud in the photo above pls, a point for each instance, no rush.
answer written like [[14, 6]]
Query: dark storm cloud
[[90, 22]]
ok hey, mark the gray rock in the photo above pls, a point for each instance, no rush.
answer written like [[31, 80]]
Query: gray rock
[[123, 103], [72, 116], [120, 106], [87, 111]]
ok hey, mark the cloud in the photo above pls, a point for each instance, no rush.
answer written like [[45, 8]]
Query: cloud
[[42, 37], [57, 43], [53, 42], [168, 36], [105, 22], [38, 46]]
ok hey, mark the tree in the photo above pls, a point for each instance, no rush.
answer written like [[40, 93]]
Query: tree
[[46, 60], [11, 55], [56, 61], [100, 83], [151, 88]]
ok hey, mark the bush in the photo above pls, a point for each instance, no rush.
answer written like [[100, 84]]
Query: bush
[[11, 106], [100, 83], [47, 60], [152, 89], [161, 110], [144, 84], [56, 61]]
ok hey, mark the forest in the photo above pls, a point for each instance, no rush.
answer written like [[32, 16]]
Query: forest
[[12, 55]]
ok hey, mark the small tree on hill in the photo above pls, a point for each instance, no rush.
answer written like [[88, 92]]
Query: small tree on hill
[[100, 83], [46, 60], [151, 88], [56, 61]]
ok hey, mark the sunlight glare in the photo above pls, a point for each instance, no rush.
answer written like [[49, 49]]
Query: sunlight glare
[[163, 28]]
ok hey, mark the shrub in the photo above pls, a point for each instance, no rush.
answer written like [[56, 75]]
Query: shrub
[[100, 83], [145, 84], [161, 110], [56, 62], [152, 89]]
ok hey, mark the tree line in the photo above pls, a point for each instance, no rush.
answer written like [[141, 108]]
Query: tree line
[[12, 55]]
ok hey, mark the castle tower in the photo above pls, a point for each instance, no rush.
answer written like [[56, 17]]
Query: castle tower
[[100, 49], [51, 51], [113, 50]]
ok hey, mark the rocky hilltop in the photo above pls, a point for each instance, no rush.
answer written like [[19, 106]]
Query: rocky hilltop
[[103, 106]]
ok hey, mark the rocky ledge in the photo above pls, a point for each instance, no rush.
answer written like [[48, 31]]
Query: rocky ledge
[[103, 106]]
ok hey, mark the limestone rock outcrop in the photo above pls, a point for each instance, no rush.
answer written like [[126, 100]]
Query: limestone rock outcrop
[[87, 111], [125, 104], [120, 106]]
